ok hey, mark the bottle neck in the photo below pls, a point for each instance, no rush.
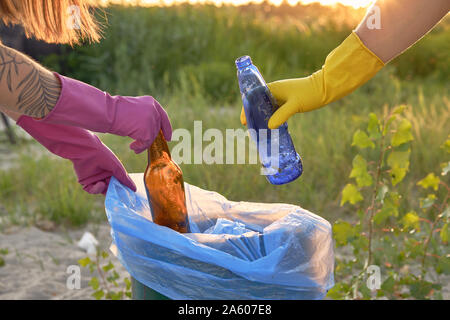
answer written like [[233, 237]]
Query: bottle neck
[[243, 62], [158, 148]]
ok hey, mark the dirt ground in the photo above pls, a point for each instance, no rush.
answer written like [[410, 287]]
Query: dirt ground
[[37, 262]]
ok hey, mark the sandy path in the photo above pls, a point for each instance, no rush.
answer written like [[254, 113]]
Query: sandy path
[[36, 265]]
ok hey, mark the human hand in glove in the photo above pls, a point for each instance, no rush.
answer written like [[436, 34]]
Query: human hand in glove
[[84, 106], [93, 162], [346, 68], [359, 57]]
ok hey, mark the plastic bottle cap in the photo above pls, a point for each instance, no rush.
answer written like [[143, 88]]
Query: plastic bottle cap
[[243, 62]]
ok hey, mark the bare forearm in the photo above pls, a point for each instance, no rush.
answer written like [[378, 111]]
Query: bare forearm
[[402, 23], [25, 86]]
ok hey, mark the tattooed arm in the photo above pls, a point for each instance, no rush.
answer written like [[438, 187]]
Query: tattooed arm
[[25, 86]]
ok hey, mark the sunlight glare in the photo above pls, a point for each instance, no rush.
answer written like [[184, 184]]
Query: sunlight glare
[[167, 3]]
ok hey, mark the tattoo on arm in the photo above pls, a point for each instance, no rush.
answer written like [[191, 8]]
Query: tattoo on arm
[[35, 89]]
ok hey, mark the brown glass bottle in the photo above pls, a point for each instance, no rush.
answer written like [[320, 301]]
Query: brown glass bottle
[[164, 184]]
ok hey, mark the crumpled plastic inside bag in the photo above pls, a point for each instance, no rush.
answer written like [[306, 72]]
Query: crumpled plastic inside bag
[[236, 250]]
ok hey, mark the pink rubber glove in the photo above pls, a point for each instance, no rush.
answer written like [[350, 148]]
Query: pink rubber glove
[[85, 106], [93, 162]]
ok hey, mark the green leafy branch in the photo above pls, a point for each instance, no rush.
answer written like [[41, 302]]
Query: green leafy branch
[[383, 234], [442, 211], [106, 286]]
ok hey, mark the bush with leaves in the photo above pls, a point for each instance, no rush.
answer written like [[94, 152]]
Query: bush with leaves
[[405, 236], [107, 284]]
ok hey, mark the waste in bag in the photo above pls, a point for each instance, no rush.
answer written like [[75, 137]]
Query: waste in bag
[[235, 250], [163, 181]]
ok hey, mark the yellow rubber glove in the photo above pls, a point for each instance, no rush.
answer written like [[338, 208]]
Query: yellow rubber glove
[[346, 68]]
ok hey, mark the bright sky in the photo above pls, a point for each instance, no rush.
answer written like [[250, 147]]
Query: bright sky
[[353, 3]]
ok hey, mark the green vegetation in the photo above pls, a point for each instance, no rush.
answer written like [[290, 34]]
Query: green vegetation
[[106, 284], [408, 246], [184, 57], [3, 252], [43, 187]]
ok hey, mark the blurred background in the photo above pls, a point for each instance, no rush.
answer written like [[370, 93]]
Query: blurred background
[[183, 52]]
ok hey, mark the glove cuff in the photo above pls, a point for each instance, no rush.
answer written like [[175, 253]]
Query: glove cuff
[[363, 46], [346, 68]]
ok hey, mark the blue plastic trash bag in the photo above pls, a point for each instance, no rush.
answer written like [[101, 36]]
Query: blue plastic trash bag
[[237, 250]]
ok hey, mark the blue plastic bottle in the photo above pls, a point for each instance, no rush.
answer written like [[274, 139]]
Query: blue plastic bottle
[[279, 167]]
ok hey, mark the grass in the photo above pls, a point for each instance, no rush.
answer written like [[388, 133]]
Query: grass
[[42, 187], [184, 57]]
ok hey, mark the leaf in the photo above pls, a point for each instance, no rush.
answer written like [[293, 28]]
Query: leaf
[[108, 267], [105, 255], [365, 292], [381, 193], [430, 181], [414, 248], [397, 175], [444, 233], [445, 168], [359, 243], [403, 134], [116, 295], [359, 172], [399, 109], [399, 159], [389, 209], [427, 202], [420, 289], [2, 262], [98, 294], [351, 194], [84, 262], [446, 145], [446, 213], [411, 220], [384, 214], [443, 265], [338, 292], [373, 127], [127, 283], [342, 232], [388, 284], [113, 277], [399, 163], [361, 140], [94, 283], [388, 125]]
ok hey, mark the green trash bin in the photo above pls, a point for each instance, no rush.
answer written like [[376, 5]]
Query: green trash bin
[[140, 291]]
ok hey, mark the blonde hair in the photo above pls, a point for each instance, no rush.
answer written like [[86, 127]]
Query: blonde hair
[[54, 21]]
